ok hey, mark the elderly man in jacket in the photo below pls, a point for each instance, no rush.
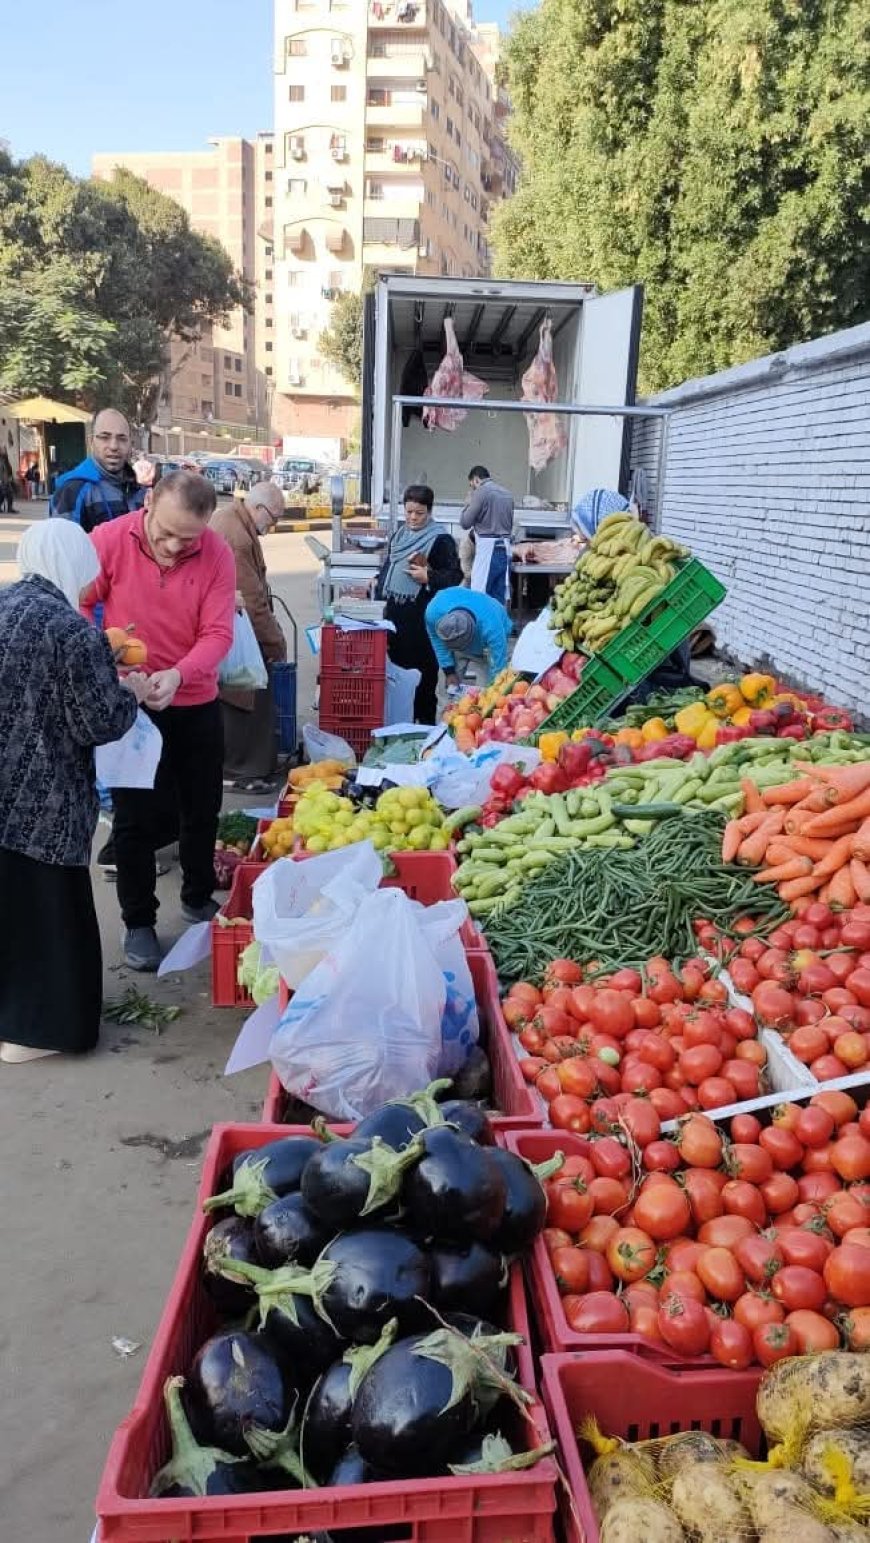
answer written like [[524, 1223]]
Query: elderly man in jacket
[[250, 744]]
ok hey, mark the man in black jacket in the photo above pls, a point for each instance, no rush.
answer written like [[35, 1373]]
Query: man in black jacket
[[104, 484]]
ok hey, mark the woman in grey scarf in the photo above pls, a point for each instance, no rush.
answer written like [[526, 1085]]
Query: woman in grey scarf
[[422, 558]]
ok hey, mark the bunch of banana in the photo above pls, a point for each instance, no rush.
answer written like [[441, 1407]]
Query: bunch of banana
[[622, 570]]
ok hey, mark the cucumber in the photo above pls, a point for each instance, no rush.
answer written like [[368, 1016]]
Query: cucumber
[[647, 811]]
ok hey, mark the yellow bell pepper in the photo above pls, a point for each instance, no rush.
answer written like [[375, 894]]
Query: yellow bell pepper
[[757, 689], [691, 720], [550, 744], [724, 699], [653, 729], [742, 716], [705, 739]]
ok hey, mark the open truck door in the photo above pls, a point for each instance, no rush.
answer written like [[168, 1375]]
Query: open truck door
[[607, 377]]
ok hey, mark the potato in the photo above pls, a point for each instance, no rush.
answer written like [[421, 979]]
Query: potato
[[852, 1447], [780, 1501], [810, 1393], [708, 1503], [695, 1446], [622, 1475], [848, 1532], [800, 1528], [642, 1521]]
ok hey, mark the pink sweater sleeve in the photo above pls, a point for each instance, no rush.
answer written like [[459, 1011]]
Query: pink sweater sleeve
[[215, 632], [100, 587]]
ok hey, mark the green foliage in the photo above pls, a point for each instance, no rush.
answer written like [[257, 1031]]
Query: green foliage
[[94, 276], [715, 150], [342, 341]]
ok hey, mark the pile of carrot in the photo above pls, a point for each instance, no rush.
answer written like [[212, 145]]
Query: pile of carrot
[[809, 837]]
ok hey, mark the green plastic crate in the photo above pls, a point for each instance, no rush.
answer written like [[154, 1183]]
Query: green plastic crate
[[599, 688], [646, 642]]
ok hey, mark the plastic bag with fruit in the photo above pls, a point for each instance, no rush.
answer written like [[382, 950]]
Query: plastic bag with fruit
[[303, 909]]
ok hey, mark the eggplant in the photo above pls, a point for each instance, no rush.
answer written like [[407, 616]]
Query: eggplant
[[419, 1401], [286, 1232], [474, 1078], [468, 1118], [526, 1205], [347, 1181], [367, 1277], [396, 1123], [493, 1454], [351, 1468], [262, 1175], [194, 1470], [466, 1275], [456, 1193], [277, 1455], [289, 1317], [326, 1421], [232, 1238], [237, 1380], [501, 1352]]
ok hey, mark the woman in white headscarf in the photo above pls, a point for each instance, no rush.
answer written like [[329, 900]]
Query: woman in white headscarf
[[60, 695]]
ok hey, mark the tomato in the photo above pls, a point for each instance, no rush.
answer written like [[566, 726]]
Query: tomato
[[818, 1159], [598, 1232], [551, 1022], [610, 1012], [814, 1332], [731, 1344], [563, 971], [668, 1103], [626, 980], [816, 1188], [663, 1209], [856, 1329], [782, 1147], [773, 1342], [684, 1326], [725, 1231], [827, 1068], [808, 1043], [610, 1158], [843, 1213], [571, 1269], [516, 1012], [600, 1312], [582, 998], [850, 1157], [786, 1115], [814, 1126], [683, 1254], [816, 979], [744, 975], [855, 934], [745, 1127], [759, 1258], [757, 1307], [569, 1205], [548, 1084], [842, 966], [523, 991], [713, 991], [531, 1066], [773, 1004], [839, 997], [631, 1253], [644, 1320], [639, 1291], [847, 1275], [663, 985], [661, 1157], [532, 1040], [806, 1011], [818, 915], [701, 1028], [857, 1017], [691, 979], [605, 1113], [740, 1198], [576, 1164], [720, 1272], [647, 1014], [640, 1077], [858, 1235], [609, 1196], [746, 1160], [704, 1193], [858, 982], [700, 1143], [684, 1284], [780, 1193], [752, 949], [716, 1093], [577, 1077], [609, 1078], [600, 1274], [556, 1237], [700, 1062], [800, 1246], [796, 1286]]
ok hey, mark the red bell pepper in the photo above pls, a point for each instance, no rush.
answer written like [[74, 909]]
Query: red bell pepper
[[830, 718], [549, 778], [729, 734], [762, 721], [792, 731], [574, 757], [507, 782]]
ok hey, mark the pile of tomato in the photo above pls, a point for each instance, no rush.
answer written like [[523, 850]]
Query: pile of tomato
[[810, 980], [748, 1247], [671, 1037]]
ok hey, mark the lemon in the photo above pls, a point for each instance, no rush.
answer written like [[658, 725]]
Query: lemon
[[316, 844], [344, 817], [439, 842], [418, 838], [380, 839], [407, 797], [338, 840]]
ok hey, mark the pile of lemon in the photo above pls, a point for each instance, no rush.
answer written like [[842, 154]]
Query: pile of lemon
[[403, 820]]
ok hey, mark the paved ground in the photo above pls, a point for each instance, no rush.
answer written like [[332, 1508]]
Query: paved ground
[[98, 1167]]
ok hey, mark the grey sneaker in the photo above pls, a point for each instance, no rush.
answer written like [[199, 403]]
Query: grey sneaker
[[141, 949], [200, 913]]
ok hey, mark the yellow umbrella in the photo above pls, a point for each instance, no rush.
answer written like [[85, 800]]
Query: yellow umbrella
[[41, 409]]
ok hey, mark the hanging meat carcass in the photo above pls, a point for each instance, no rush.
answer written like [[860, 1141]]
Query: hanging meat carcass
[[451, 379], [548, 436]]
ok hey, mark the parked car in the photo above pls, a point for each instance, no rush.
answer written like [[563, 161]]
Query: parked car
[[227, 475], [297, 476]]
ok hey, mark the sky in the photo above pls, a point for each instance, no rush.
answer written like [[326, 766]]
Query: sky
[[166, 76]]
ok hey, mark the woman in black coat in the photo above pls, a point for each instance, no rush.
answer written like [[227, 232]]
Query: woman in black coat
[[421, 559]]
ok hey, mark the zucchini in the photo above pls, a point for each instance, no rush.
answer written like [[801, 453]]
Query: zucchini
[[647, 811]]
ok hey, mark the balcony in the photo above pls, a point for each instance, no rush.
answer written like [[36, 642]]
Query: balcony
[[396, 115], [380, 163], [391, 209], [412, 64], [384, 232], [408, 14]]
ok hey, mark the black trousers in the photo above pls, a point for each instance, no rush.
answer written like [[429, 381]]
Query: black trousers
[[188, 788]]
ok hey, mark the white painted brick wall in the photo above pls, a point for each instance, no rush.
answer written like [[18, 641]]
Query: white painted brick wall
[[767, 478]]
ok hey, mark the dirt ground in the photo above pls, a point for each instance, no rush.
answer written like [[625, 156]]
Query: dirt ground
[[99, 1160]]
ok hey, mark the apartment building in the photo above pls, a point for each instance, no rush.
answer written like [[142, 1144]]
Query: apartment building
[[218, 381], [388, 154]]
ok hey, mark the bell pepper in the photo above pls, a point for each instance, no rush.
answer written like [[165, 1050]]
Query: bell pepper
[[741, 717], [763, 722], [507, 782], [678, 746], [632, 737], [730, 733], [550, 744], [691, 720], [706, 737], [548, 778], [654, 728], [757, 689], [792, 731], [784, 712], [829, 719], [724, 699], [574, 759]]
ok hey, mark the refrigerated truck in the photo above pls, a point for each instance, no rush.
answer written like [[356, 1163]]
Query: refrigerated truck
[[595, 347]]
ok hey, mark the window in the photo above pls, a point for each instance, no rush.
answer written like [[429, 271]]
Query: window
[[268, 299], [205, 380], [450, 127], [228, 363], [294, 278], [207, 409], [268, 202], [269, 321], [238, 363], [296, 93], [434, 109], [268, 251], [296, 187], [268, 177], [467, 194], [456, 180], [268, 274], [228, 388], [336, 279], [457, 136], [375, 145], [269, 147], [297, 48], [338, 93], [433, 153], [268, 348], [269, 370], [237, 390]]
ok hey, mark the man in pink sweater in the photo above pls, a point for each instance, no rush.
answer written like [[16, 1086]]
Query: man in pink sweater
[[171, 579]]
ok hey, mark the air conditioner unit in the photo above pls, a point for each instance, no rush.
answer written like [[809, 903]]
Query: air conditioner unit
[[297, 330], [295, 378], [339, 153], [297, 149], [336, 200], [338, 51]]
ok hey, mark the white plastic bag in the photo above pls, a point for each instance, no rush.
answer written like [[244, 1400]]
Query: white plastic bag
[[365, 1025], [465, 779], [302, 909], [460, 1029], [132, 760], [320, 746], [401, 690], [243, 668]]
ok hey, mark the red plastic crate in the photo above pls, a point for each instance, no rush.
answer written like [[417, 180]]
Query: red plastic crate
[[358, 697], [517, 1104], [228, 943], [357, 733], [637, 1400], [340, 650], [490, 1509]]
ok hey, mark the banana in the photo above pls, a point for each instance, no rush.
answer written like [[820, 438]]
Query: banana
[[643, 599], [611, 521]]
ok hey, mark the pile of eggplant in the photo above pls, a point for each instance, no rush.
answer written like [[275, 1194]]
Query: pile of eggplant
[[361, 1286]]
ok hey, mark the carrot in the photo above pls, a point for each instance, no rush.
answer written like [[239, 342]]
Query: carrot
[[818, 799], [797, 820], [849, 781], [750, 822], [752, 800], [752, 850], [856, 810], [861, 844], [838, 857], [795, 889], [731, 840], [780, 873], [841, 890], [859, 873], [789, 792], [797, 846]]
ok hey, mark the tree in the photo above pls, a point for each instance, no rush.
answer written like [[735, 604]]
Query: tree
[[94, 278], [342, 341], [713, 149]]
